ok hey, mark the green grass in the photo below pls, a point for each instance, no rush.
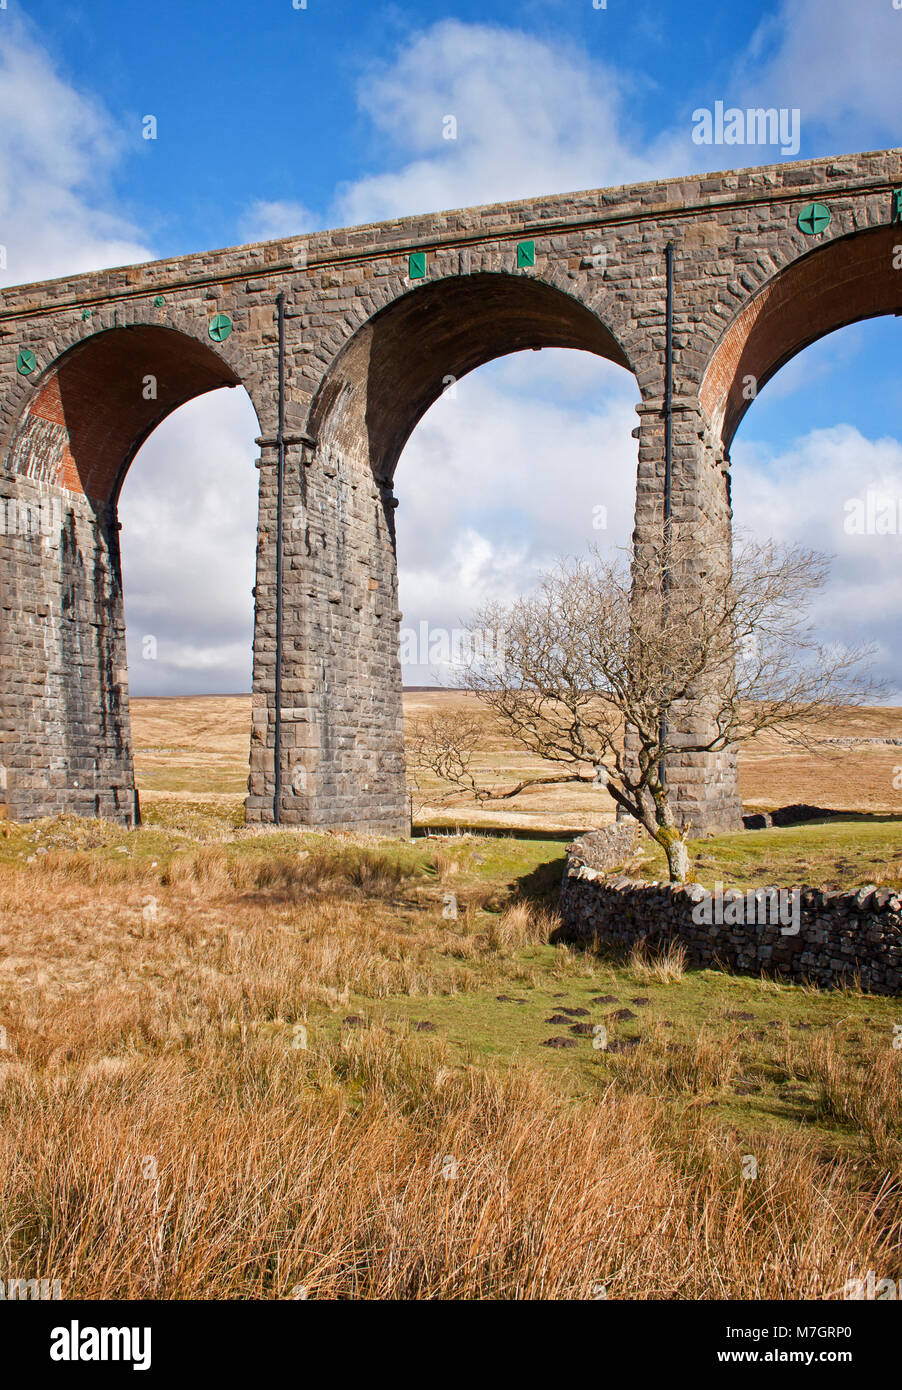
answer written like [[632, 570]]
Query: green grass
[[771, 1089], [845, 852], [771, 1086]]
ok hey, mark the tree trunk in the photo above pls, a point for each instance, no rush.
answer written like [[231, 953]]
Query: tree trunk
[[668, 836], [677, 860]]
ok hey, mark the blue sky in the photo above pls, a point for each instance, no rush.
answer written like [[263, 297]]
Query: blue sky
[[273, 120], [262, 101]]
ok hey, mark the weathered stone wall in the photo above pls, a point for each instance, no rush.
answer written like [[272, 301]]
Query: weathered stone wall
[[342, 737], [368, 349], [64, 703], [609, 848], [841, 937]]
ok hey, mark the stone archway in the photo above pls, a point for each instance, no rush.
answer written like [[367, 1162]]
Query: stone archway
[[401, 360], [849, 279], [342, 753], [842, 281], [374, 320], [66, 697], [95, 406]]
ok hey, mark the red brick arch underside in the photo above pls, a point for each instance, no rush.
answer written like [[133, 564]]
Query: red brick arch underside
[[849, 279], [91, 412]]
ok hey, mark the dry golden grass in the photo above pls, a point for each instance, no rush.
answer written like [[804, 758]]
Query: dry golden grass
[[170, 953], [188, 742], [667, 965], [861, 778], [371, 1169], [520, 925], [707, 1065], [188, 1111], [214, 1086], [864, 1094]]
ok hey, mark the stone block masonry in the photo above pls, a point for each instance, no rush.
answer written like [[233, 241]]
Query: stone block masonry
[[834, 939], [90, 365]]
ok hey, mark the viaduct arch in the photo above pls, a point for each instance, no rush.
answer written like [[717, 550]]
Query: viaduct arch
[[376, 321]]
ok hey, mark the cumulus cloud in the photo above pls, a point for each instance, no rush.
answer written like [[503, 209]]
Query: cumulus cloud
[[498, 483], [189, 512], [529, 117], [58, 150], [509, 472], [838, 63], [807, 494], [189, 505], [269, 220], [479, 113]]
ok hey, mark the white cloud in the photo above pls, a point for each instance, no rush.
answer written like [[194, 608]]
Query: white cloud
[[501, 478], [801, 496], [189, 505], [270, 220], [532, 117], [189, 516], [536, 116], [58, 149], [838, 63]]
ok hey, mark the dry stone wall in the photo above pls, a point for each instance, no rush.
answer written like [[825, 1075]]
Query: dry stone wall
[[806, 934]]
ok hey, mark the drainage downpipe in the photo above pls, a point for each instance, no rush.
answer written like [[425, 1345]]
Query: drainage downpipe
[[668, 400], [280, 502], [668, 445]]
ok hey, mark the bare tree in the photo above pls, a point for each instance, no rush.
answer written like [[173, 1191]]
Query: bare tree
[[600, 662], [446, 747], [441, 746]]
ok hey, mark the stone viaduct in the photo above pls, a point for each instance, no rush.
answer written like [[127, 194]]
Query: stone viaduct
[[372, 322]]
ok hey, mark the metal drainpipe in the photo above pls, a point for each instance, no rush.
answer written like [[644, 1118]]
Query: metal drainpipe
[[668, 398], [280, 499], [668, 445]]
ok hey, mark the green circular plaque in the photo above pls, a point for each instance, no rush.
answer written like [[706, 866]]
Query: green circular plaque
[[220, 327], [158, 302], [26, 362], [814, 219]]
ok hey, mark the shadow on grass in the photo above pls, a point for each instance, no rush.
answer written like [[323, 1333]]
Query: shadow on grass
[[788, 817], [542, 885], [495, 832]]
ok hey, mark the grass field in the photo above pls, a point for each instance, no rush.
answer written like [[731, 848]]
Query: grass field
[[254, 1064], [186, 746]]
